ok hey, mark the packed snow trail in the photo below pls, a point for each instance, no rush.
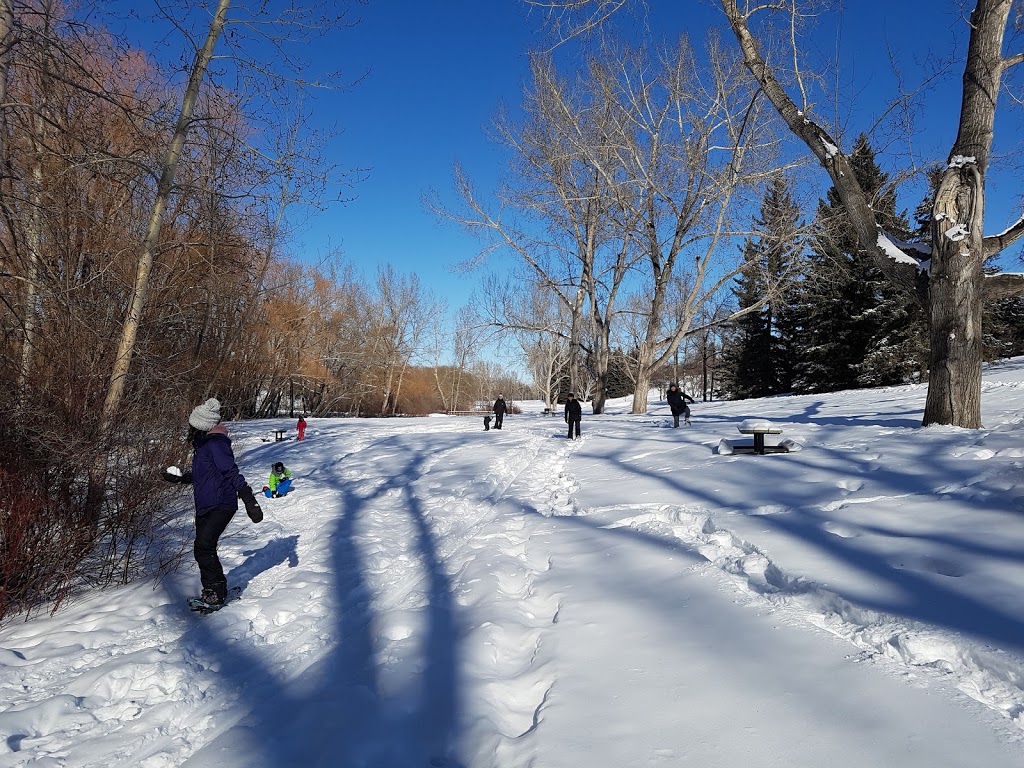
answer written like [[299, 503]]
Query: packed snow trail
[[400, 668], [434, 595]]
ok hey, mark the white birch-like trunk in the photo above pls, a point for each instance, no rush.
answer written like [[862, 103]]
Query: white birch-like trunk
[[137, 301]]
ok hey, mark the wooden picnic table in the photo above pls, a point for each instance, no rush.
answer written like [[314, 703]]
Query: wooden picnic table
[[279, 434]]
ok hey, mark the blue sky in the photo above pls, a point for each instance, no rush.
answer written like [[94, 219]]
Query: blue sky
[[436, 73]]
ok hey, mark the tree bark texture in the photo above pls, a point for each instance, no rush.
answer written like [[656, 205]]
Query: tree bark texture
[[958, 216]]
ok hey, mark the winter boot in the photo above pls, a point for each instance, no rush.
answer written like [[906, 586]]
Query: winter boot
[[211, 598]]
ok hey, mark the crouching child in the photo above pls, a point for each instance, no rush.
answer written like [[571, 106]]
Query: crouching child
[[280, 481]]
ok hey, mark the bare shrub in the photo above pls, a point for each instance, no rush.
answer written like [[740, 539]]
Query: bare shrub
[[53, 542]]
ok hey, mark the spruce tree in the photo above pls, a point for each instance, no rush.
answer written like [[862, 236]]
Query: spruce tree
[[855, 329], [746, 351], [758, 354]]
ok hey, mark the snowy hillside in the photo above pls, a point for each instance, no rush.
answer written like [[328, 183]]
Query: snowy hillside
[[431, 594]]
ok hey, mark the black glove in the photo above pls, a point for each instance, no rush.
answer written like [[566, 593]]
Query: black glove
[[252, 507], [273, 494]]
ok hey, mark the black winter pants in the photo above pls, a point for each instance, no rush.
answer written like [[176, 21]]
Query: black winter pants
[[574, 426], [498, 418], [209, 526]]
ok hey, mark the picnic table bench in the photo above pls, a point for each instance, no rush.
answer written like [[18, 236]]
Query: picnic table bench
[[279, 434], [759, 428]]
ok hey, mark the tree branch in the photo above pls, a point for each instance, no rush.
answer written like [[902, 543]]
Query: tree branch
[[1004, 285], [995, 243], [1013, 61]]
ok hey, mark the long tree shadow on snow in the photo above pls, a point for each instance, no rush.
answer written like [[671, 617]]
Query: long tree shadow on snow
[[915, 595], [418, 724], [336, 714]]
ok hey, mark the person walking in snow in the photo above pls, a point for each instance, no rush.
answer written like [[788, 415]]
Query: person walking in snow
[[677, 400], [217, 485], [573, 415], [300, 427], [279, 482], [499, 411]]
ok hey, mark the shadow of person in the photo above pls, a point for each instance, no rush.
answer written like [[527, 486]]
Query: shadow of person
[[257, 561]]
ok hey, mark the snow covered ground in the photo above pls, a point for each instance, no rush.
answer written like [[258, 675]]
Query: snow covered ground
[[431, 594]]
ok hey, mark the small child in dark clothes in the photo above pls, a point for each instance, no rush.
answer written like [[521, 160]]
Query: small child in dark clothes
[[487, 423]]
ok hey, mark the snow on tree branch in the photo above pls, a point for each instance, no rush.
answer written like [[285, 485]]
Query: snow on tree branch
[[894, 252], [1002, 240], [957, 232], [1003, 285]]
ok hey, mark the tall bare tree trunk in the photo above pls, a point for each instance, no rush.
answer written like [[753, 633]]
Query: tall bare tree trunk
[[958, 216], [6, 45], [137, 302], [34, 224], [33, 244], [643, 387]]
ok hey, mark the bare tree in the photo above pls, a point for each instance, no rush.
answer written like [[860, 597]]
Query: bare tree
[[954, 277], [6, 45], [555, 211], [692, 145], [541, 332], [406, 312], [256, 29], [949, 279], [460, 341]]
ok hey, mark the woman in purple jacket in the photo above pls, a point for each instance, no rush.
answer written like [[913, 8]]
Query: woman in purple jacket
[[217, 486]]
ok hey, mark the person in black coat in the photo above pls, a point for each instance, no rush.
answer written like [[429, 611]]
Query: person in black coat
[[677, 400], [499, 411], [573, 415]]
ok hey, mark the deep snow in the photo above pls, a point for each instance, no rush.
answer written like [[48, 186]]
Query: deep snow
[[431, 594]]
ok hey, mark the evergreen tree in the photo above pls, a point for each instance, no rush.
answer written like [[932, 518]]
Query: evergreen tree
[[758, 353], [855, 330], [620, 384], [1004, 328]]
